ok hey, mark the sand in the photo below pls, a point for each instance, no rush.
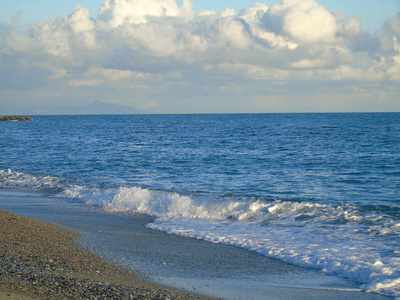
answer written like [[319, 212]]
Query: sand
[[39, 260]]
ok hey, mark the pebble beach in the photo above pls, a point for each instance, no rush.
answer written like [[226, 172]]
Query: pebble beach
[[40, 260]]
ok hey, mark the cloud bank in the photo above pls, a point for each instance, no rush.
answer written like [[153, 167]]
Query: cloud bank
[[142, 52]]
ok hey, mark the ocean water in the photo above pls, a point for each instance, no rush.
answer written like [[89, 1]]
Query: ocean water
[[320, 191]]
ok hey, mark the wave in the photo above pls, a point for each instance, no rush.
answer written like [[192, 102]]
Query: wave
[[49, 186], [356, 242], [15, 180], [344, 240]]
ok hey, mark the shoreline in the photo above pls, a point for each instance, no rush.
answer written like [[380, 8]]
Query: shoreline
[[66, 252], [40, 260]]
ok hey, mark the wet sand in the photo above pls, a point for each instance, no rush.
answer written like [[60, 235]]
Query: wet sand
[[39, 260]]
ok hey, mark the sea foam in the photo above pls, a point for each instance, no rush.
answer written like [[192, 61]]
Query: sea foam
[[341, 240]]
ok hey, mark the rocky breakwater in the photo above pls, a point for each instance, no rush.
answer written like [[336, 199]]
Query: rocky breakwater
[[15, 119]]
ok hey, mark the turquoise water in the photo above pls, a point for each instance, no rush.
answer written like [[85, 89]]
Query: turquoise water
[[320, 191]]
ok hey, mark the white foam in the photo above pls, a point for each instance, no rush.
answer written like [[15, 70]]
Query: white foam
[[10, 180], [49, 185], [337, 239], [162, 204]]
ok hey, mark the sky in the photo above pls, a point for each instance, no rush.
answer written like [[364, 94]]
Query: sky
[[192, 56]]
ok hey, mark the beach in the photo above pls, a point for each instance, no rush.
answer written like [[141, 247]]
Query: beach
[[40, 260]]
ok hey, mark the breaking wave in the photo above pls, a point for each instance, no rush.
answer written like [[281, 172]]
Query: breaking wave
[[345, 240]]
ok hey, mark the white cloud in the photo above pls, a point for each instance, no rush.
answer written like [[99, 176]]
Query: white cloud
[[232, 32], [157, 38], [85, 82], [62, 38], [150, 33], [135, 43], [229, 12], [79, 20], [305, 21], [116, 12], [252, 16], [394, 69], [17, 42], [390, 34], [206, 13], [58, 73], [348, 27], [115, 75], [312, 24]]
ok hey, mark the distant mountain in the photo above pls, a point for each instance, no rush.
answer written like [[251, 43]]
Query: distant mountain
[[95, 108]]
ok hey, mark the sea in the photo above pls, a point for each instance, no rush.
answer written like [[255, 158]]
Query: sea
[[319, 192]]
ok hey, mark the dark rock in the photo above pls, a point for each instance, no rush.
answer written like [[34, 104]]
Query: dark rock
[[15, 119]]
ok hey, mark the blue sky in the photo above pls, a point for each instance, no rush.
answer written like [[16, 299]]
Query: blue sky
[[167, 56]]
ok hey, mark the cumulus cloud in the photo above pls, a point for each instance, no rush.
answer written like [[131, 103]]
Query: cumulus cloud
[[142, 42], [161, 31], [114, 13], [60, 37], [390, 34], [304, 21]]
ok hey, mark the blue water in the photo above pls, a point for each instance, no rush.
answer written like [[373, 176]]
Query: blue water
[[314, 190]]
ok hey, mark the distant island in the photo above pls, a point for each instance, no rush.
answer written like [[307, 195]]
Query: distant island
[[15, 119]]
